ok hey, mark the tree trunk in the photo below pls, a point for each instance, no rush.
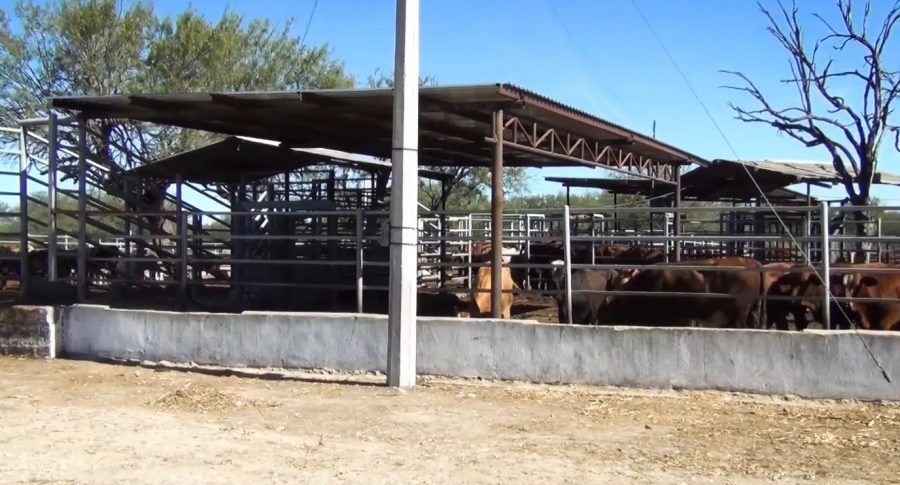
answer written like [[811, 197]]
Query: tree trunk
[[860, 221]]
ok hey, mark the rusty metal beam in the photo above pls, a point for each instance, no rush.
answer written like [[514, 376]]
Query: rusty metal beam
[[497, 217], [583, 118]]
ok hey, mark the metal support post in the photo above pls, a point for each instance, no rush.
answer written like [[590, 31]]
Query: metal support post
[[826, 269], [676, 203], [82, 211], [497, 217], [594, 241], [470, 234], [567, 255], [527, 251], [52, 147], [880, 245], [615, 213], [128, 229], [24, 275], [182, 251], [197, 246], [359, 260], [807, 232], [401, 365], [442, 219]]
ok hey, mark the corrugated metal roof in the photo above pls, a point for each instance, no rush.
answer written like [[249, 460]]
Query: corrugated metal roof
[[454, 121], [245, 158], [718, 193], [804, 171]]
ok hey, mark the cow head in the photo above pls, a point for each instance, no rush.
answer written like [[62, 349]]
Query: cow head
[[622, 277], [558, 274]]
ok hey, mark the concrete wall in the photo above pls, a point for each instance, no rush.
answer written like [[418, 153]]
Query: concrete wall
[[811, 364], [28, 330]]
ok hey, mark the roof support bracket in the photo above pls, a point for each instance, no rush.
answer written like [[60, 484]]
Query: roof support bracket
[[558, 144]]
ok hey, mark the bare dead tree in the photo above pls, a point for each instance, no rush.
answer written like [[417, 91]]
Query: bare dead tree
[[849, 56]]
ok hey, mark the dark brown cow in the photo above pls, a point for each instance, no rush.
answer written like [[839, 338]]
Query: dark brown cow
[[546, 253], [781, 282], [438, 305], [585, 306], [10, 264], [66, 263], [611, 250], [740, 311]]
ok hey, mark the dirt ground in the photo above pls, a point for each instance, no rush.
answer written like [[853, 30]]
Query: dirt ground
[[84, 422]]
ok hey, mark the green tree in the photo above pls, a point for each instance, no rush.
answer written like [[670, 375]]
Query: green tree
[[466, 187], [99, 47]]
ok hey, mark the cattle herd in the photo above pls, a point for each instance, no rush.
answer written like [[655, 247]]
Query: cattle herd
[[725, 292]]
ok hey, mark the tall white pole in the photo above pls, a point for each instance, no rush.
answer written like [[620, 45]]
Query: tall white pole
[[401, 365]]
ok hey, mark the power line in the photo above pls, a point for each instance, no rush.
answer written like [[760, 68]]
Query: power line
[[825, 251], [312, 13]]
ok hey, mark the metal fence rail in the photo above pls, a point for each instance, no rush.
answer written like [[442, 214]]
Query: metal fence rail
[[266, 243]]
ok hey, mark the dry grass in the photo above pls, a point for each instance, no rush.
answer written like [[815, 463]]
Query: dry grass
[[202, 399]]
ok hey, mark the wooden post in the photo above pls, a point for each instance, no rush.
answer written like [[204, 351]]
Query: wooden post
[[497, 217], [401, 365]]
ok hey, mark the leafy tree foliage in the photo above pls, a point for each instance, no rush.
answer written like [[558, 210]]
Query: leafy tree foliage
[[98, 47]]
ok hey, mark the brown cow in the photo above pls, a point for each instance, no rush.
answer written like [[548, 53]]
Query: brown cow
[[810, 291], [780, 281], [741, 311], [877, 315], [481, 300]]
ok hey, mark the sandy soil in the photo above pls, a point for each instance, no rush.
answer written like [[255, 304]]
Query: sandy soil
[[82, 422]]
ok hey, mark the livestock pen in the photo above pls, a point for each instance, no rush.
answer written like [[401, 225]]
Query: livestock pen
[[229, 253], [305, 228]]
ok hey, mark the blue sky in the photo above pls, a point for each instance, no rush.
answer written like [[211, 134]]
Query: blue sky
[[597, 55]]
